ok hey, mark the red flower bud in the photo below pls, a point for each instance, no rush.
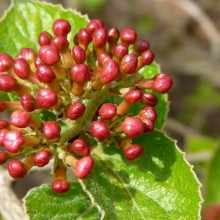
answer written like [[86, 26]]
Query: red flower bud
[[102, 58], [21, 68], [133, 96], [99, 37], [3, 132], [7, 83], [84, 36], [108, 111], [3, 124], [60, 186], [148, 125], [120, 50], [45, 74], [46, 98], [147, 57], [149, 99], [51, 130], [132, 127], [28, 54], [133, 152], [16, 169], [110, 71], [61, 27], [100, 130], [42, 158], [28, 102], [12, 141], [44, 38], [162, 83], [95, 24], [80, 147], [80, 73], [129, 63], [3, 106], [20, 119], [128, 35], [60, 42], [141, 45], [76, 110], [113, 35], [6, 61], [38, 62], [84, 167], [49, 55], [148, 113], [78, 54]]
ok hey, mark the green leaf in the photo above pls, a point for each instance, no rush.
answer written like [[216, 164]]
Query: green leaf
[[24, 21], [212, 191], [160, 185], [42, 203]]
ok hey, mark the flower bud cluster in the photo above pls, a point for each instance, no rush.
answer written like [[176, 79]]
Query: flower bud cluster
[[73, 83]]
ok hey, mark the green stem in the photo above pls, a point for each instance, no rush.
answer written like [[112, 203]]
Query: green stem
[[92, 106]]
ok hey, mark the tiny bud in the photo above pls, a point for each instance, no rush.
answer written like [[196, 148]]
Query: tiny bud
[[95, 24], [16, 169], [28, 102], [129, 63], [148, 112], [42, 158], [78, 54], [12, 141], [147, 57], [132, 127], [51, 130], [76, 110], [3, 132], [149, 99], [45, 74], [80, 147], [60, 42], [22, 68], [133, 96], [102, 58], [110, 71], [61, 27], [128, 35], [84, 167], [133, 152], [108, 111], [162, 83], [113, 35], [46, 98], [20, 119], [99, 37], [7, 82], [49, 55], [100, 130], [141, 45], [38, 62], [6, 62], [28, 54], [3, 157], [80, 73], [84, 36], [44, 38], [148, 125], [60, 186], [120, 50]]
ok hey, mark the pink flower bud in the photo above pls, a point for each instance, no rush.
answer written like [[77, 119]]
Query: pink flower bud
[[149, 99], [7, 83], [60, 186], [76, 110], [16, 169], [3, 124], [99, 37], [28, 102], [129, 63], [128, 35], [21, 68], [20, 119], [44, 38], [3, 106], [108, 111], [113, 35], [61, 27], [6, 61], [80, 147], [84, 167], [80, 73], [133, 152], [100, 130], [42, 158], [60, 42], [3, 132], [162, 83], [120, 50], [147, 57], [51, 130], [133, 96], [141, 45], [46, 98], [28, 54], [45, 74], [78, 54], [132, 127], [3, 157], [95, 24], [148, 112], [84, 36]]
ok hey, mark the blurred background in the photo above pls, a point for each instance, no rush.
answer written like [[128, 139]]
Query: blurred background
[[185, 36]]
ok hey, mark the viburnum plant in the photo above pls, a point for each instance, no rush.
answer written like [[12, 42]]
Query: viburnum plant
[[88, 98]]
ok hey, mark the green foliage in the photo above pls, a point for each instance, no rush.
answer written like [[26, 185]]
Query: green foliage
[[160, 185]]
